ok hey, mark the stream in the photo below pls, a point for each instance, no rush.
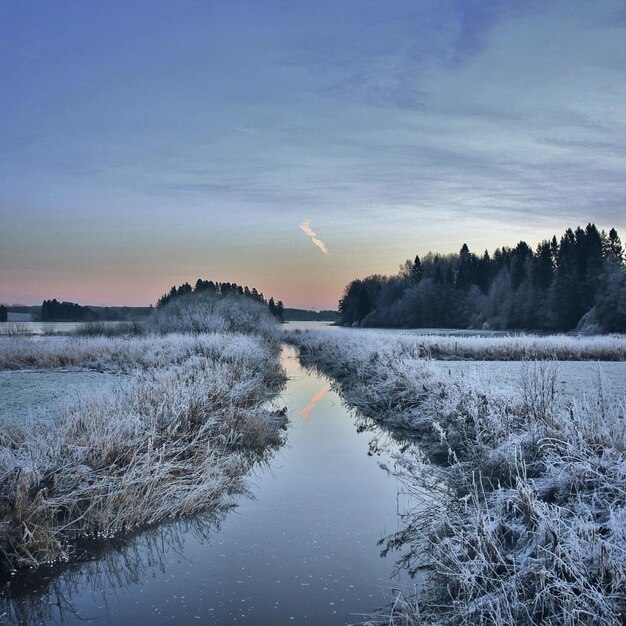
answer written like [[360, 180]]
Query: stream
[[303, 550]]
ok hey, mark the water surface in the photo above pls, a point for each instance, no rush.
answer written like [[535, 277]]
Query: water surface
[[303, 551], [27, 392]]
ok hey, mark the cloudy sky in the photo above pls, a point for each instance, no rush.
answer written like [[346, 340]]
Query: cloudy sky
[[293, 146]]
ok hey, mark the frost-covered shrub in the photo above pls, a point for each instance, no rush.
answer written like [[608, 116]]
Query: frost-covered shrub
[[548, 549], [206, 312], [186, 325]]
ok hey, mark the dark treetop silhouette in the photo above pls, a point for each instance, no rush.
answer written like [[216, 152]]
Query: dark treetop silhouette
[[577, 281], [222, 290]]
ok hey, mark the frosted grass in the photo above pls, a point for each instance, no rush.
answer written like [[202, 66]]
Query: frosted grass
[[120, 354], [175, 436], [475, 347], [525, 494]]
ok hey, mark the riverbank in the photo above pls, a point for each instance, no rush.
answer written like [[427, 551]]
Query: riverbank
[[533, 526], [478, 345], [172, 436], [304, 549]]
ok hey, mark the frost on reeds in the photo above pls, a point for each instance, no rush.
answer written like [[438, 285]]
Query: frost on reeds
[[106, 329], [527, 520], [170, 441], [172, 438], [116, 354], [478, 347]]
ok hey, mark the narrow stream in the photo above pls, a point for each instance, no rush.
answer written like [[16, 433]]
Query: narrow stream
[[303, 550]]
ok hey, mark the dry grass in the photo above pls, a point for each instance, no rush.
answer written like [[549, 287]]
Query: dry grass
[[119, 354]]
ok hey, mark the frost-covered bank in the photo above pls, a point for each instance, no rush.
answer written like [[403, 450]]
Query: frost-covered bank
[[173, 438], [529, 522], [115, 354], [493, 347], [522, 347]]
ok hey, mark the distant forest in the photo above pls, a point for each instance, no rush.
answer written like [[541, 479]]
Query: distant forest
[[303, 315], [55, 311], [578, 281], [223, 290]]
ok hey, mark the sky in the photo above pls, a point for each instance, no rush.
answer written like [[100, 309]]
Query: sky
[[295, 146]]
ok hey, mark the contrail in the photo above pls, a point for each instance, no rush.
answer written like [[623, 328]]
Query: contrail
[[306, 227]]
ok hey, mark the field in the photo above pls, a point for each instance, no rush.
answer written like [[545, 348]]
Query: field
[[511, 448]]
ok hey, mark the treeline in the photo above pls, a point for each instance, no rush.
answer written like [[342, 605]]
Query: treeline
[[121, 313], [304, 315], [55, 311], [223, 290], [4, 313], [577, 281]]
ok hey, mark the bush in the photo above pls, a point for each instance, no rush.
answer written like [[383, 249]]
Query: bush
[[206, 313]]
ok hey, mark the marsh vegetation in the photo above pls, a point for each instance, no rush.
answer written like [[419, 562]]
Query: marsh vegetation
[[516, 492], [288, 552], [171, 438], [528, 507]]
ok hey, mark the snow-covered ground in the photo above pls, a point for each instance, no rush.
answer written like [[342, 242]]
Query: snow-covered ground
[[26, 393], [574, 378]]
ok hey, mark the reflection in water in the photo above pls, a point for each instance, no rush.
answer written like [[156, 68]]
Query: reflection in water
[[47, 595], [429, 498], [423, 487], [308, 409], [423, 494], [306, 549]]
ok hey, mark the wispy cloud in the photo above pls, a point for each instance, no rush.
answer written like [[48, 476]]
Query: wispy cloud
[[306, 228]]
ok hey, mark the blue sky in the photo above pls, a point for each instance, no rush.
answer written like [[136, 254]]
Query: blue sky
[[147, 143]]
